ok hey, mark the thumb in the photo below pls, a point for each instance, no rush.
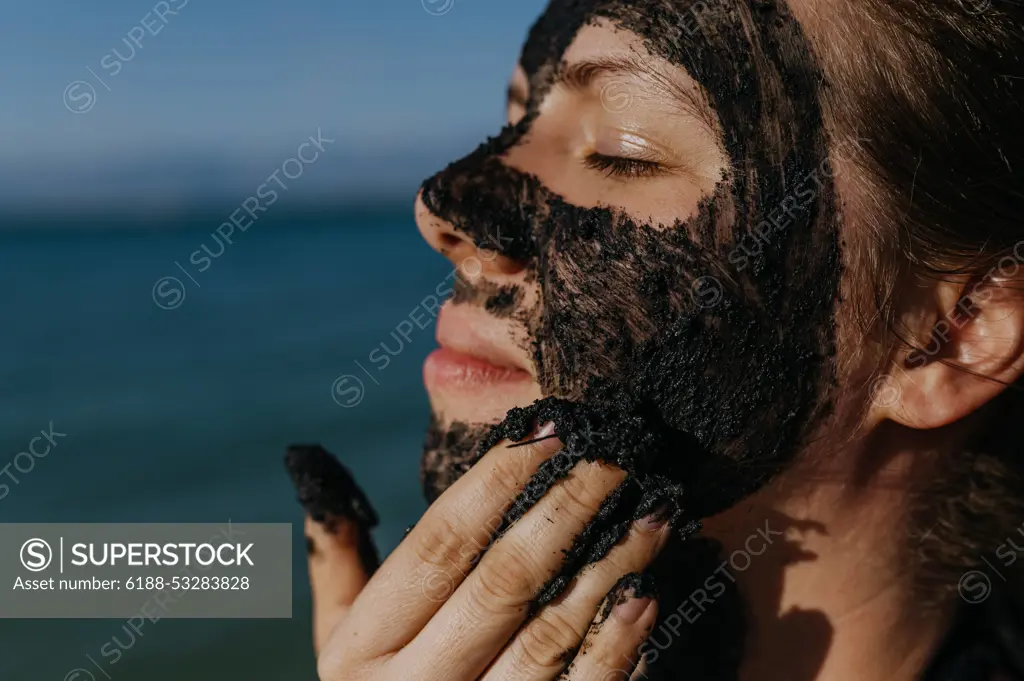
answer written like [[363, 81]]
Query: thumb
[[342, 555]]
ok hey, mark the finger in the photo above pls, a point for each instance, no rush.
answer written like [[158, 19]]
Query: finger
[[341, 552], [484, 613], [537, 652], [434, 559], [337, 574], [611, 650]]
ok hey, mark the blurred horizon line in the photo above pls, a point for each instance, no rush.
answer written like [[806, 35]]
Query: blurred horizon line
[[176, 189], [208, 215]]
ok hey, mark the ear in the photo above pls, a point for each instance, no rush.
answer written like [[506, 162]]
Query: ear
[[974, 350]]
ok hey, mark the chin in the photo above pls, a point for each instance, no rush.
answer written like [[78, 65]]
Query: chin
[[468, 395], [485, 407]]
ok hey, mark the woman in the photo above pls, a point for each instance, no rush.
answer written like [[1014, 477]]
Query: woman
[[743, 276]]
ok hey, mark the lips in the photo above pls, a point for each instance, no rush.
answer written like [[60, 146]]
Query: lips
[[474, 352]]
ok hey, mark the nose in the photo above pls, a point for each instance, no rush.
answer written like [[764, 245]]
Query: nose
[[473, 261]]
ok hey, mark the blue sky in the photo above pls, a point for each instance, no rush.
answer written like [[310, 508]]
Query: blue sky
[[218, 93]]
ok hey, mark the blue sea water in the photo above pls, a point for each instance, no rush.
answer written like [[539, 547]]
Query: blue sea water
[[183, 415]]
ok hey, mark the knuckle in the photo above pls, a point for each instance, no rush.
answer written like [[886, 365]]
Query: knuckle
[[505, 581], [503, 476], [440, 544], [616, 650], [578, 498], [616, 661], [546, 641]]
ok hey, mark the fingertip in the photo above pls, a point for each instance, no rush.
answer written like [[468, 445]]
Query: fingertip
[[612, 650], [656, 521], [326, 488], [631, 588], [339, 514], [542, 438], [634, 608]]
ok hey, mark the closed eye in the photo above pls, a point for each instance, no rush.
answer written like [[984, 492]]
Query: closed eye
[[617, 166]]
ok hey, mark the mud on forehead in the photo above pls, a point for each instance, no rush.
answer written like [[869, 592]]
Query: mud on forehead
[[750, 56]]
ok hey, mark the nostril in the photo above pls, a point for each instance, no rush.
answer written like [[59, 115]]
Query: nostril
[[509, 266]]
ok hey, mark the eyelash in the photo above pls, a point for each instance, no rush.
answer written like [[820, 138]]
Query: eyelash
[[616, 166]]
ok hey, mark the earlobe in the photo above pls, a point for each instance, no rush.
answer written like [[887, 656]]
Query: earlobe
[[972, 352]]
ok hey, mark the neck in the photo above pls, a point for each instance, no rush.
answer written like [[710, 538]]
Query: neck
[[829, 596]]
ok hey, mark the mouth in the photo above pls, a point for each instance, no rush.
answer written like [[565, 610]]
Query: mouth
[[474, 353]]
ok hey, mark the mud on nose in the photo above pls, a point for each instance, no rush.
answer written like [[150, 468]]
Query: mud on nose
[[484, 201]]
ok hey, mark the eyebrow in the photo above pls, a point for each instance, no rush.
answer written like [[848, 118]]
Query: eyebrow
[[580, 76]]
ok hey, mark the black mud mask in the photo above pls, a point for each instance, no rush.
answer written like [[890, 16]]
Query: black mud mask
[[713, 360], [721, 327]]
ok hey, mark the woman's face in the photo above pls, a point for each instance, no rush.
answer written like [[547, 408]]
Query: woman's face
[[655, 233], [619, 128]]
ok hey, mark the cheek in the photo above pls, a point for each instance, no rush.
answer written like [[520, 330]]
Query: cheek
[[605, 293]]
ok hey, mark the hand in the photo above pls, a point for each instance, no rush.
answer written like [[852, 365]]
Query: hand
[[438, 610]]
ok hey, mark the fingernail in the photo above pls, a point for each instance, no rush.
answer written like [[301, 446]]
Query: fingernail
[[545, 430], [631, 596], [656, 519], [540, 434], [630, 610]]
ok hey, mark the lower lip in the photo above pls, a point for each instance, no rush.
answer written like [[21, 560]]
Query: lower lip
[[449, 369]]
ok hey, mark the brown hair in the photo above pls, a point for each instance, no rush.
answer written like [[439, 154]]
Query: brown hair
[[932, 90]]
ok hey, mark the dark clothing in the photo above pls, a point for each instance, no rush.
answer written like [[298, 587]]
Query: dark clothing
[[986, 643]]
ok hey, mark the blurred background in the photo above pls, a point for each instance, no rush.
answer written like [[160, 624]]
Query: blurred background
[[179, 362]]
